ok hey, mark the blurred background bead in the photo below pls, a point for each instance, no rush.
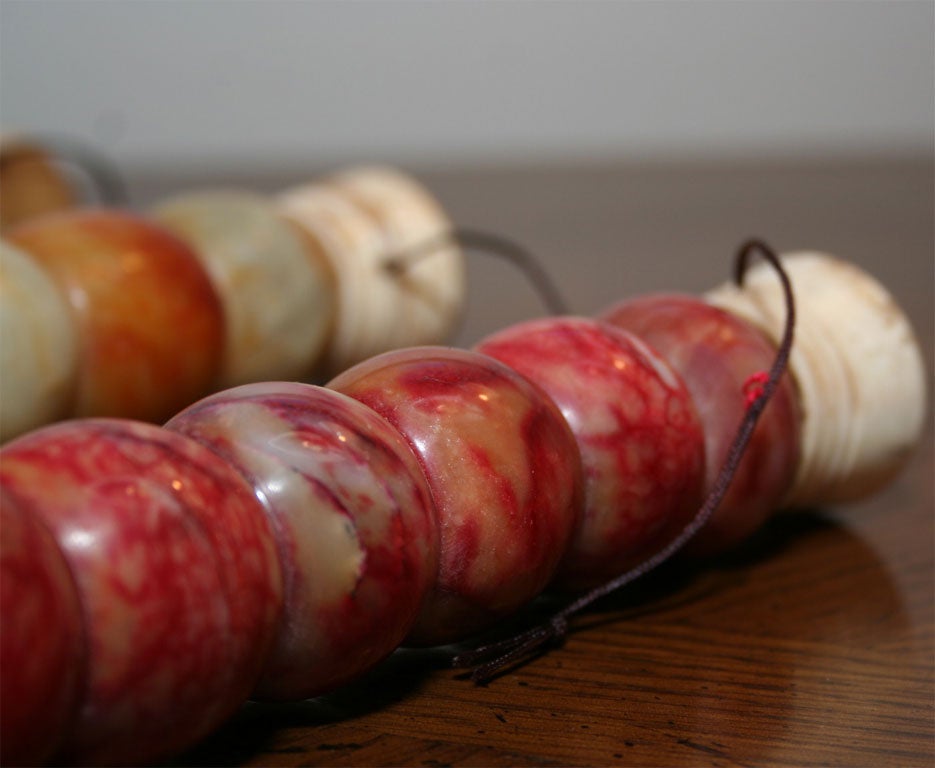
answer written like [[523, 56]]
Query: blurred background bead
[[148, 321], [38, 346], [363, 218], [31, 182], [278, 297]]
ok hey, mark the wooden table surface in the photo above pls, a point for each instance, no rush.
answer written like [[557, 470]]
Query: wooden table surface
[[810, 645]]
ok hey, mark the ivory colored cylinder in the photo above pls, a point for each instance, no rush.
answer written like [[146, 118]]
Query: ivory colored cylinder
[[278, 298], [38, 346], [857, 366], [362, 218]]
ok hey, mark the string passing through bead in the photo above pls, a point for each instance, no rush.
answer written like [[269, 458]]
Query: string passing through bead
[[492, 659], [494, 245]]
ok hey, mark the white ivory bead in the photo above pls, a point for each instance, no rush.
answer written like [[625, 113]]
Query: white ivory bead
[[857, 366], [38, 346], [278, 300], [361, 218]]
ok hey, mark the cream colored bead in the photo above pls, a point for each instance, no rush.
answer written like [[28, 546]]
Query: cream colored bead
[[857, 366], [361, 218], [38, 346], [278, 301]]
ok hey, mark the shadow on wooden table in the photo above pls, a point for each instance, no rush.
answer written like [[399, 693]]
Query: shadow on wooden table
[[682, 595], [250, 731]]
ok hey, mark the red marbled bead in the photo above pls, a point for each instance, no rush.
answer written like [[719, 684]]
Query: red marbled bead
[[354, 520], [42, 649], [715, 353], [639, 436], [503, 468], [177, 574]]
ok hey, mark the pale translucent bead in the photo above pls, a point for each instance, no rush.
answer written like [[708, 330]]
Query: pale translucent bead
[[362, 218], [857, 366], [38, 346], [278, 299]]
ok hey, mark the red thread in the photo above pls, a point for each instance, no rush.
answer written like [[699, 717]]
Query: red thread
[[753, 387]]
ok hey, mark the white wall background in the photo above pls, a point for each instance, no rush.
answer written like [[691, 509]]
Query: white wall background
[[253, 82]]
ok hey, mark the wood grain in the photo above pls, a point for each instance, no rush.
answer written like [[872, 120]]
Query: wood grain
[[812, 644]]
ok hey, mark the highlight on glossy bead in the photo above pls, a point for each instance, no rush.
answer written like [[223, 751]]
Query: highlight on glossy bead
[[148, 322], [640, 439], [857, 367], [354, 519], [278, 294], [38, 346], [177, 575], [716, 353], [362, 218], [503, 468]]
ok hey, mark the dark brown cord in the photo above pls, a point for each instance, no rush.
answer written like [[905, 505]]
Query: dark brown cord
[[489, 660], [492, 244]]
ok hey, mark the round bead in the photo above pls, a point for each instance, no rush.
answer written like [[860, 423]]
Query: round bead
[[148, 322], [362, 218], [716, 353], [857, 367], [177, 573], [39, 349], [278, 297], [354, 518], [640, 440], [503, 469]]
